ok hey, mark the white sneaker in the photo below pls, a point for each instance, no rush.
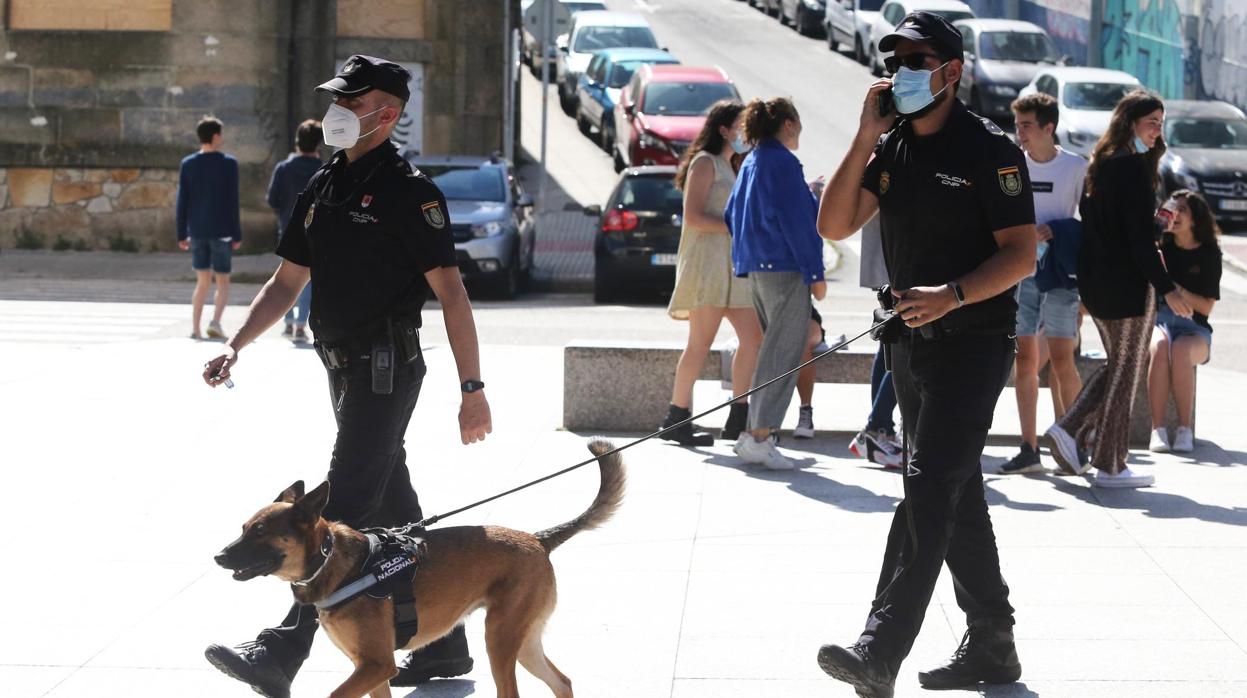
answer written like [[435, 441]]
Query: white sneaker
[[1183, 440], [1065, 451], [1160, 440], [1125, 479], [740, 442], [762, 453], [858, 445], [805, 424]]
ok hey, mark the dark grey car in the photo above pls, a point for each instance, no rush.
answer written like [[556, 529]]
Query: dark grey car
[[1001, 57], [1207, 153]]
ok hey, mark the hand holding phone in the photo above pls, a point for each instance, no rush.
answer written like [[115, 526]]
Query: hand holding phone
[[885, 102], [878, 111]]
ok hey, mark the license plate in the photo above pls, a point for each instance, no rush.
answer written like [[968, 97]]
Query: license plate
[[1234, 204], [663, 260]]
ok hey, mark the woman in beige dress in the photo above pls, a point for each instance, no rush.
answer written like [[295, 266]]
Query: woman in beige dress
[[706, 289]]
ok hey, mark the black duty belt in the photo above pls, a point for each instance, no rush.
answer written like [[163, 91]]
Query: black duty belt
[[406, 342]]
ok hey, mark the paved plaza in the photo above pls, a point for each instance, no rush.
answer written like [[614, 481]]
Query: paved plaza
[[124, 475]]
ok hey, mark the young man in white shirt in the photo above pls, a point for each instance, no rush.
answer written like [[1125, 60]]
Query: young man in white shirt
[[1057, 181]]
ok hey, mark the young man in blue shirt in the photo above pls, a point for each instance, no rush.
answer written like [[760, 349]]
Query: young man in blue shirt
[[290, 178], [208, 221]]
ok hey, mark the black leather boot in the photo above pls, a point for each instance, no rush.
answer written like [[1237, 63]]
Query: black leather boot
[[687, 435], [854, 665], [440, 659], [986, 655], [737, 420], [255, 664]]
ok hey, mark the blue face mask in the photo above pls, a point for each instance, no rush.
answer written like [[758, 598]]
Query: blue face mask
[[911, 90], [740, 146], [1140, 146]]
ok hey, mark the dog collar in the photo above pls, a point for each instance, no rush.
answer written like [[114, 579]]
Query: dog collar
[[326, 549]]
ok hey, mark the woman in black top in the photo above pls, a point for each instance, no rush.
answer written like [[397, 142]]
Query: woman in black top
[[1179, 344], [1120, 273]]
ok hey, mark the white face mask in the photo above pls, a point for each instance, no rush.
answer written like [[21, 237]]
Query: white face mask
[[341, 127]]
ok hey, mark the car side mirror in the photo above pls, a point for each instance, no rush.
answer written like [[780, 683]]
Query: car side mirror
[[1065, 60], [525, 201], [594, 210]]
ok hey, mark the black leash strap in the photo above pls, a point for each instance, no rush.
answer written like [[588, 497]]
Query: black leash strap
[[434, 519]]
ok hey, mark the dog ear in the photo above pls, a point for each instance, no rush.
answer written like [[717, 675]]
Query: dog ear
[[291, 493], [311, 505]]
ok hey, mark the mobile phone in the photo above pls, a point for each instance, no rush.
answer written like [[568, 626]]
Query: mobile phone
[[885, 102]]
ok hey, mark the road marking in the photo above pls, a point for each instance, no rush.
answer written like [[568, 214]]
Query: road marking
[[83, 323]]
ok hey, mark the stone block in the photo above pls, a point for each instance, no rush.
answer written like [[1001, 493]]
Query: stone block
[[63, 87], [123, 176], [63, 174], [216, 19], [4, 195], [16, 128], [12, 221], [393, 19], [70, 221], [143, 225], [163, 126], [112, 189], [117, 15], [80, 126], [71, 192], [99, 50], [4, 175], [146, 195], [132, 87], [231, 49], [95, 174], [99, 204], [30, 186], [14, 86]]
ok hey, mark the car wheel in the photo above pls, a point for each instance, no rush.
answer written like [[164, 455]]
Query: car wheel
[[508, 284], [582, 123], [832, 44], [859, 52], [619, 163], [568, 103], [876, 66], [608, 137], [603, 284]]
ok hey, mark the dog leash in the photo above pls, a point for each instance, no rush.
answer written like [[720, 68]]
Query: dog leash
[[424, 523]]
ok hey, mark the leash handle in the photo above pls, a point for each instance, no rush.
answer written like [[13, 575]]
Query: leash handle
[[434, 519]]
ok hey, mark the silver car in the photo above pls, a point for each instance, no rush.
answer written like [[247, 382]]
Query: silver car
[[491, 219]]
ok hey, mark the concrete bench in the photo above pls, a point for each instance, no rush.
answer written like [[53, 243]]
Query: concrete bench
[[625, 386]]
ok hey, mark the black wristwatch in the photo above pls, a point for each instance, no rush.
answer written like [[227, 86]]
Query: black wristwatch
[[958, 293], [472, 385]]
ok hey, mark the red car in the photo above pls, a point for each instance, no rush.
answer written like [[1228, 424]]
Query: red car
[[661, 111]]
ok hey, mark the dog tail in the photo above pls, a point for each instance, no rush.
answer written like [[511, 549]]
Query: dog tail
[[610, 496]]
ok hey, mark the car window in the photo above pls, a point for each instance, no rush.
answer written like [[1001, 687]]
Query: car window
[[892, 14], [953, 15], [1206, 133], [869, 5], [594, 65], [574, 7], [1047, 85], [651, 193], [967, 40], [622, 72], [1094, 96], [468, 183], [684, 99], [1027, 47], [591, 39]]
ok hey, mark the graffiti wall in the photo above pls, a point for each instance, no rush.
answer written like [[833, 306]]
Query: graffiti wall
[[1067, 22], [1144, 38], [1219, 57]]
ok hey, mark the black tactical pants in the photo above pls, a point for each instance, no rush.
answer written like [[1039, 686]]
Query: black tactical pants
[[369, 481], [947, 390]]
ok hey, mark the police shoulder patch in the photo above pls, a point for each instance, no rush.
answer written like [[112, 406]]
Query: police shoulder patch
[[433, 214], [311, 211], [885, 181], [1010, 180]]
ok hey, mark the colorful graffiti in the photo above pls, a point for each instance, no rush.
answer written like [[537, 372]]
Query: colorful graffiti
[[1144, 38], [1065, 21], [1223, 52]]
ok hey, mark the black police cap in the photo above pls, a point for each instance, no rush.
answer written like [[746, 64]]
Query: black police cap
[[930, 29], [363, 73]]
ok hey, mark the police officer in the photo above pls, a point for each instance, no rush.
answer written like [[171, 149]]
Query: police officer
[[374, 236], [958, 231]]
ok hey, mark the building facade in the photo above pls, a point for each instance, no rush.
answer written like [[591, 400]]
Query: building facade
[[99, 100]]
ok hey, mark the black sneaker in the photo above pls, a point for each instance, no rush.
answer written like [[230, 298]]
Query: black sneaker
[[986, 655], [737, 420], [1026, 461], [255, 665], [442, 659], [856, 667]]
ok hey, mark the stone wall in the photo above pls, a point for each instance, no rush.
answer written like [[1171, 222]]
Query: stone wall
[[77, 107]]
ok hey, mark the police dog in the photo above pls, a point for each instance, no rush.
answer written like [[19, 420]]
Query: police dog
[[464, 568]]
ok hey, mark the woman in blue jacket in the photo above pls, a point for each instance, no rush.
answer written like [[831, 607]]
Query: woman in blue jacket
[[771, 215]]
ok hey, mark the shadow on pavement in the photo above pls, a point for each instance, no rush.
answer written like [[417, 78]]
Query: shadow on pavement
[[443, 688], [1012, 690], [1158, 505], [996, 498]]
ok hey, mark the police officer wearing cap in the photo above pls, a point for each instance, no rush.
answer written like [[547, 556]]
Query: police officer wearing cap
[[958, 228], [374, 236]]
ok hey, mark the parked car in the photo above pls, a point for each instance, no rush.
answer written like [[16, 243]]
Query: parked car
[[491, 218], [893, 11], [661, 111], [1086, 97], [770, 7], [601, 83], [638, 234], [1002, 56], [1207, 153], [562, 11], [847, 24], [588, 33], [806, 16]]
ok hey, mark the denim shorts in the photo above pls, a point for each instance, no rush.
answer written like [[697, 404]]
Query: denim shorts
[[1175, 326], [1055, 311], [212, 253]]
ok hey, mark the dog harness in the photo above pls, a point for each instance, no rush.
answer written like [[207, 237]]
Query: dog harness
[[393, 558]]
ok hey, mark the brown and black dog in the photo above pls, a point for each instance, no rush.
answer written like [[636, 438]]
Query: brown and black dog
[[504, 571]]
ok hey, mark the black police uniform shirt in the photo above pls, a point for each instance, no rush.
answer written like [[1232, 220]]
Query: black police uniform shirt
[[940, 198], [1197, 270], [369, 230]]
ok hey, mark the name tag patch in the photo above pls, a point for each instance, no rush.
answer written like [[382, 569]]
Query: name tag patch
[[952, 180], [1041, 187]]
